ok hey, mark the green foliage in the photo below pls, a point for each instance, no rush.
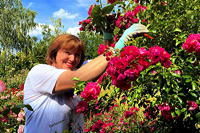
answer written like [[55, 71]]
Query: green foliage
[[91, 41], [172, 22], [15, 22]]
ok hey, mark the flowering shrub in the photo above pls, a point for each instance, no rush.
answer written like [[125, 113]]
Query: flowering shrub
[[153, 80], [145, 88], [192, 43], [131, 61], [12, 117]]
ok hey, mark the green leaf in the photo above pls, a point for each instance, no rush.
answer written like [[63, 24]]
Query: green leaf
[[76, 79], [96, 11], [194, 85], [193, 94], [197, 115], [16, 110], [178, 111], [177, 30], [107, 9], [173, 114], [183, 109]]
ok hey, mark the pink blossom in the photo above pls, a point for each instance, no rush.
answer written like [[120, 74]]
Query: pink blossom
[[134, 109], [128, 114], [102, 77], [192, 105], [178, 72], [111, 1], [20, 116], [158, 54], [132, 73], [116, 38], [2, 86], [90, 10], [4, 119], [91, 91], [108, 125], [119, 21], [136, 1], [20, 129], [165, 111], [102, 48], [97, 126], [192, 43], [82, 107]]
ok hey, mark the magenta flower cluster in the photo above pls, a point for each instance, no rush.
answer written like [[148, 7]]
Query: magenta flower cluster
[[192, 43], [165, 111], [132, 60], [82, 107], [91, 91], [86, 24], [129, 18]]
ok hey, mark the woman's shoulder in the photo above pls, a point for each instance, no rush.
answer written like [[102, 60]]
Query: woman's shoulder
[[40, 68]]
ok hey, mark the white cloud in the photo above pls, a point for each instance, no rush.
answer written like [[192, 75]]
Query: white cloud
[[73, 31], [61, 13]]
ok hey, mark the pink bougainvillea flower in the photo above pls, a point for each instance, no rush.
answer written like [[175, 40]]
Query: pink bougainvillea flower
[[136, 1], [2, 86], [82, 107], [134, 109], [192, 43], [128, 114], [108, 124], [192, 105], [178, 72], [165, 111], [139, 8], [102, 48], [116, 38], [111, 1], [97, 126], [102, 77], [20, 116], [158, 54], [4, 119], [20, 129], [91, 91], [90, 9]]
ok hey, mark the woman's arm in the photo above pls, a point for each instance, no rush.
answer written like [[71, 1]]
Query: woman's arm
[[87, 72]]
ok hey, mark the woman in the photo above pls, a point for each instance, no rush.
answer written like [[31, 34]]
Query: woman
[[49, 87], [45, 84]]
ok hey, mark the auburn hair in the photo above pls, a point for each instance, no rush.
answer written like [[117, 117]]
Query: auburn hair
[[66, 41]]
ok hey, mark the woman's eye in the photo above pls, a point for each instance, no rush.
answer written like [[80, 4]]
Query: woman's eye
[[67, 52], [78, 55]]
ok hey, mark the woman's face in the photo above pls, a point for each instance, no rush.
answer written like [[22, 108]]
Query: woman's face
[[66, 59]]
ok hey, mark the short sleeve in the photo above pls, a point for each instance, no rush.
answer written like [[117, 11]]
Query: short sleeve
[[43, 78]]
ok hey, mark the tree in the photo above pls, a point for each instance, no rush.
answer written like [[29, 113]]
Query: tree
[[91, 41], [15, 24]]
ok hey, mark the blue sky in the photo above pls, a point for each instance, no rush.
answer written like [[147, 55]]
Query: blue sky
[[70, 11]]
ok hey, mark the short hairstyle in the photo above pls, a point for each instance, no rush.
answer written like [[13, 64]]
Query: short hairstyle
[[66, 41]]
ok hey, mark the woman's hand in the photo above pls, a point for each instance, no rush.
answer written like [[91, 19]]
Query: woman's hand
[[132, 30]]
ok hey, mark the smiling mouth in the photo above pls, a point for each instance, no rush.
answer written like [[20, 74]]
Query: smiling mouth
[[69, 65]]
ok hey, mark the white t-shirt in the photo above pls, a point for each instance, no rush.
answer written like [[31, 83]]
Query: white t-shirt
[[51, 111]]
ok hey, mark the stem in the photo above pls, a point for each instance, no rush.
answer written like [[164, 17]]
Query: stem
[[100, 3]]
